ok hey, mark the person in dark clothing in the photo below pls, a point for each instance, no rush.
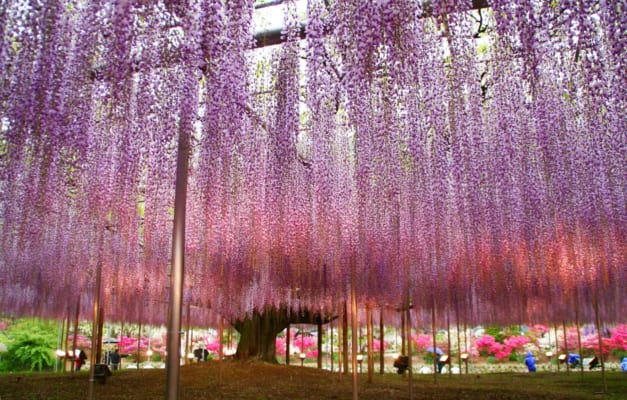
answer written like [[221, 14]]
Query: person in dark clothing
[[80, 359], [114, 359]]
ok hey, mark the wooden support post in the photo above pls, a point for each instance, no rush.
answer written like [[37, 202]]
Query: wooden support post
[[557, 347], [94, 329], [435, 354], [369, 340], [459, 348], [100, 330], [220, 350], [578, 335], [66, 346], [403, 333], [566, 346], [331, 340], [320, 343], [78, 307], [410, 363], [381, 342], [354, 332], [448, 338], [345, 338], [597, 318], [287, 345], [177, 270], [187, 337], [340, 352]]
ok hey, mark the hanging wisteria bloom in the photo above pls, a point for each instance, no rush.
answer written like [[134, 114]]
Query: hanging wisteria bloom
[[470, 161]]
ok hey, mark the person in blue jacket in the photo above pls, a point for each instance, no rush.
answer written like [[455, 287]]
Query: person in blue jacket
[[530, 362], [573, 360], [623, 364]]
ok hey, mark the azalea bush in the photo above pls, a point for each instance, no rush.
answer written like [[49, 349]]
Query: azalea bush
[[422, 341], [509, 349], [82, 342]]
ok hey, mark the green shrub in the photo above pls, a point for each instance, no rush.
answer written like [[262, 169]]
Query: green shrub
[[31, 345]]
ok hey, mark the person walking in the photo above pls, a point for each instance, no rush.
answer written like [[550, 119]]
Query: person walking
[[80, 359], [530, 362], [114, 358]]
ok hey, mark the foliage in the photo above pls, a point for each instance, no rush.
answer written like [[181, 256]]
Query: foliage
[[31, 344], [496, 332]]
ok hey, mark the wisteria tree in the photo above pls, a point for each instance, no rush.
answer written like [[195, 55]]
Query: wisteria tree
[[469, 160]]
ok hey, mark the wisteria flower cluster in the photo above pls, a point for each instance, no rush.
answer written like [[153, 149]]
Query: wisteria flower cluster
[[469, 160]]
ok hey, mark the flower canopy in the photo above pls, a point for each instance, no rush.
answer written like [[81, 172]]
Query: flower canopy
[[471, 160]]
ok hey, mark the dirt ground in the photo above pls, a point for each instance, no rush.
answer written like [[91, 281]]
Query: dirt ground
[[257, 381]]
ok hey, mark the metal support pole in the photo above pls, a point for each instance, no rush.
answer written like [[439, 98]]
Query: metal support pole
[[459, 348], [78, 308], [59, 344], [100, 331], [370, 343], [578, 335], [410, 363], [177, 273], [435, 354], [466, 344], [94, 330], [139, 341], [354, 330], [345, 338], [66, 338], [566, 346], [320, 343], [597, 318], [287, 346], [340, 349], [448, 337], [220, 351], [403, 333], [557, 348], [381, 341], [187, 337], [331, 340]]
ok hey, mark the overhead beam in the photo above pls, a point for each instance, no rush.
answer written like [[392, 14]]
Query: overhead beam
[[276, 36]]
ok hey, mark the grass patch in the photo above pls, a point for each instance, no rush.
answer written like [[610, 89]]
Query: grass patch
[[257, 381]]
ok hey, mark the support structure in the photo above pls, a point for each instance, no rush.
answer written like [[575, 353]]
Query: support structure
[[331, 341], [566, 346], [78, 308], [381, 341], [410, 363], [435, 354], [100, 330], [354, 331], [320, 344], [370, 343], [177, 271], [345, 339], [287, 345], [94, 332], [597, 318], [139, 343]]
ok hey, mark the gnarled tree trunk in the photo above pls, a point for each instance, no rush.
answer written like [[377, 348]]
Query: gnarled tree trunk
[[258, 330]]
